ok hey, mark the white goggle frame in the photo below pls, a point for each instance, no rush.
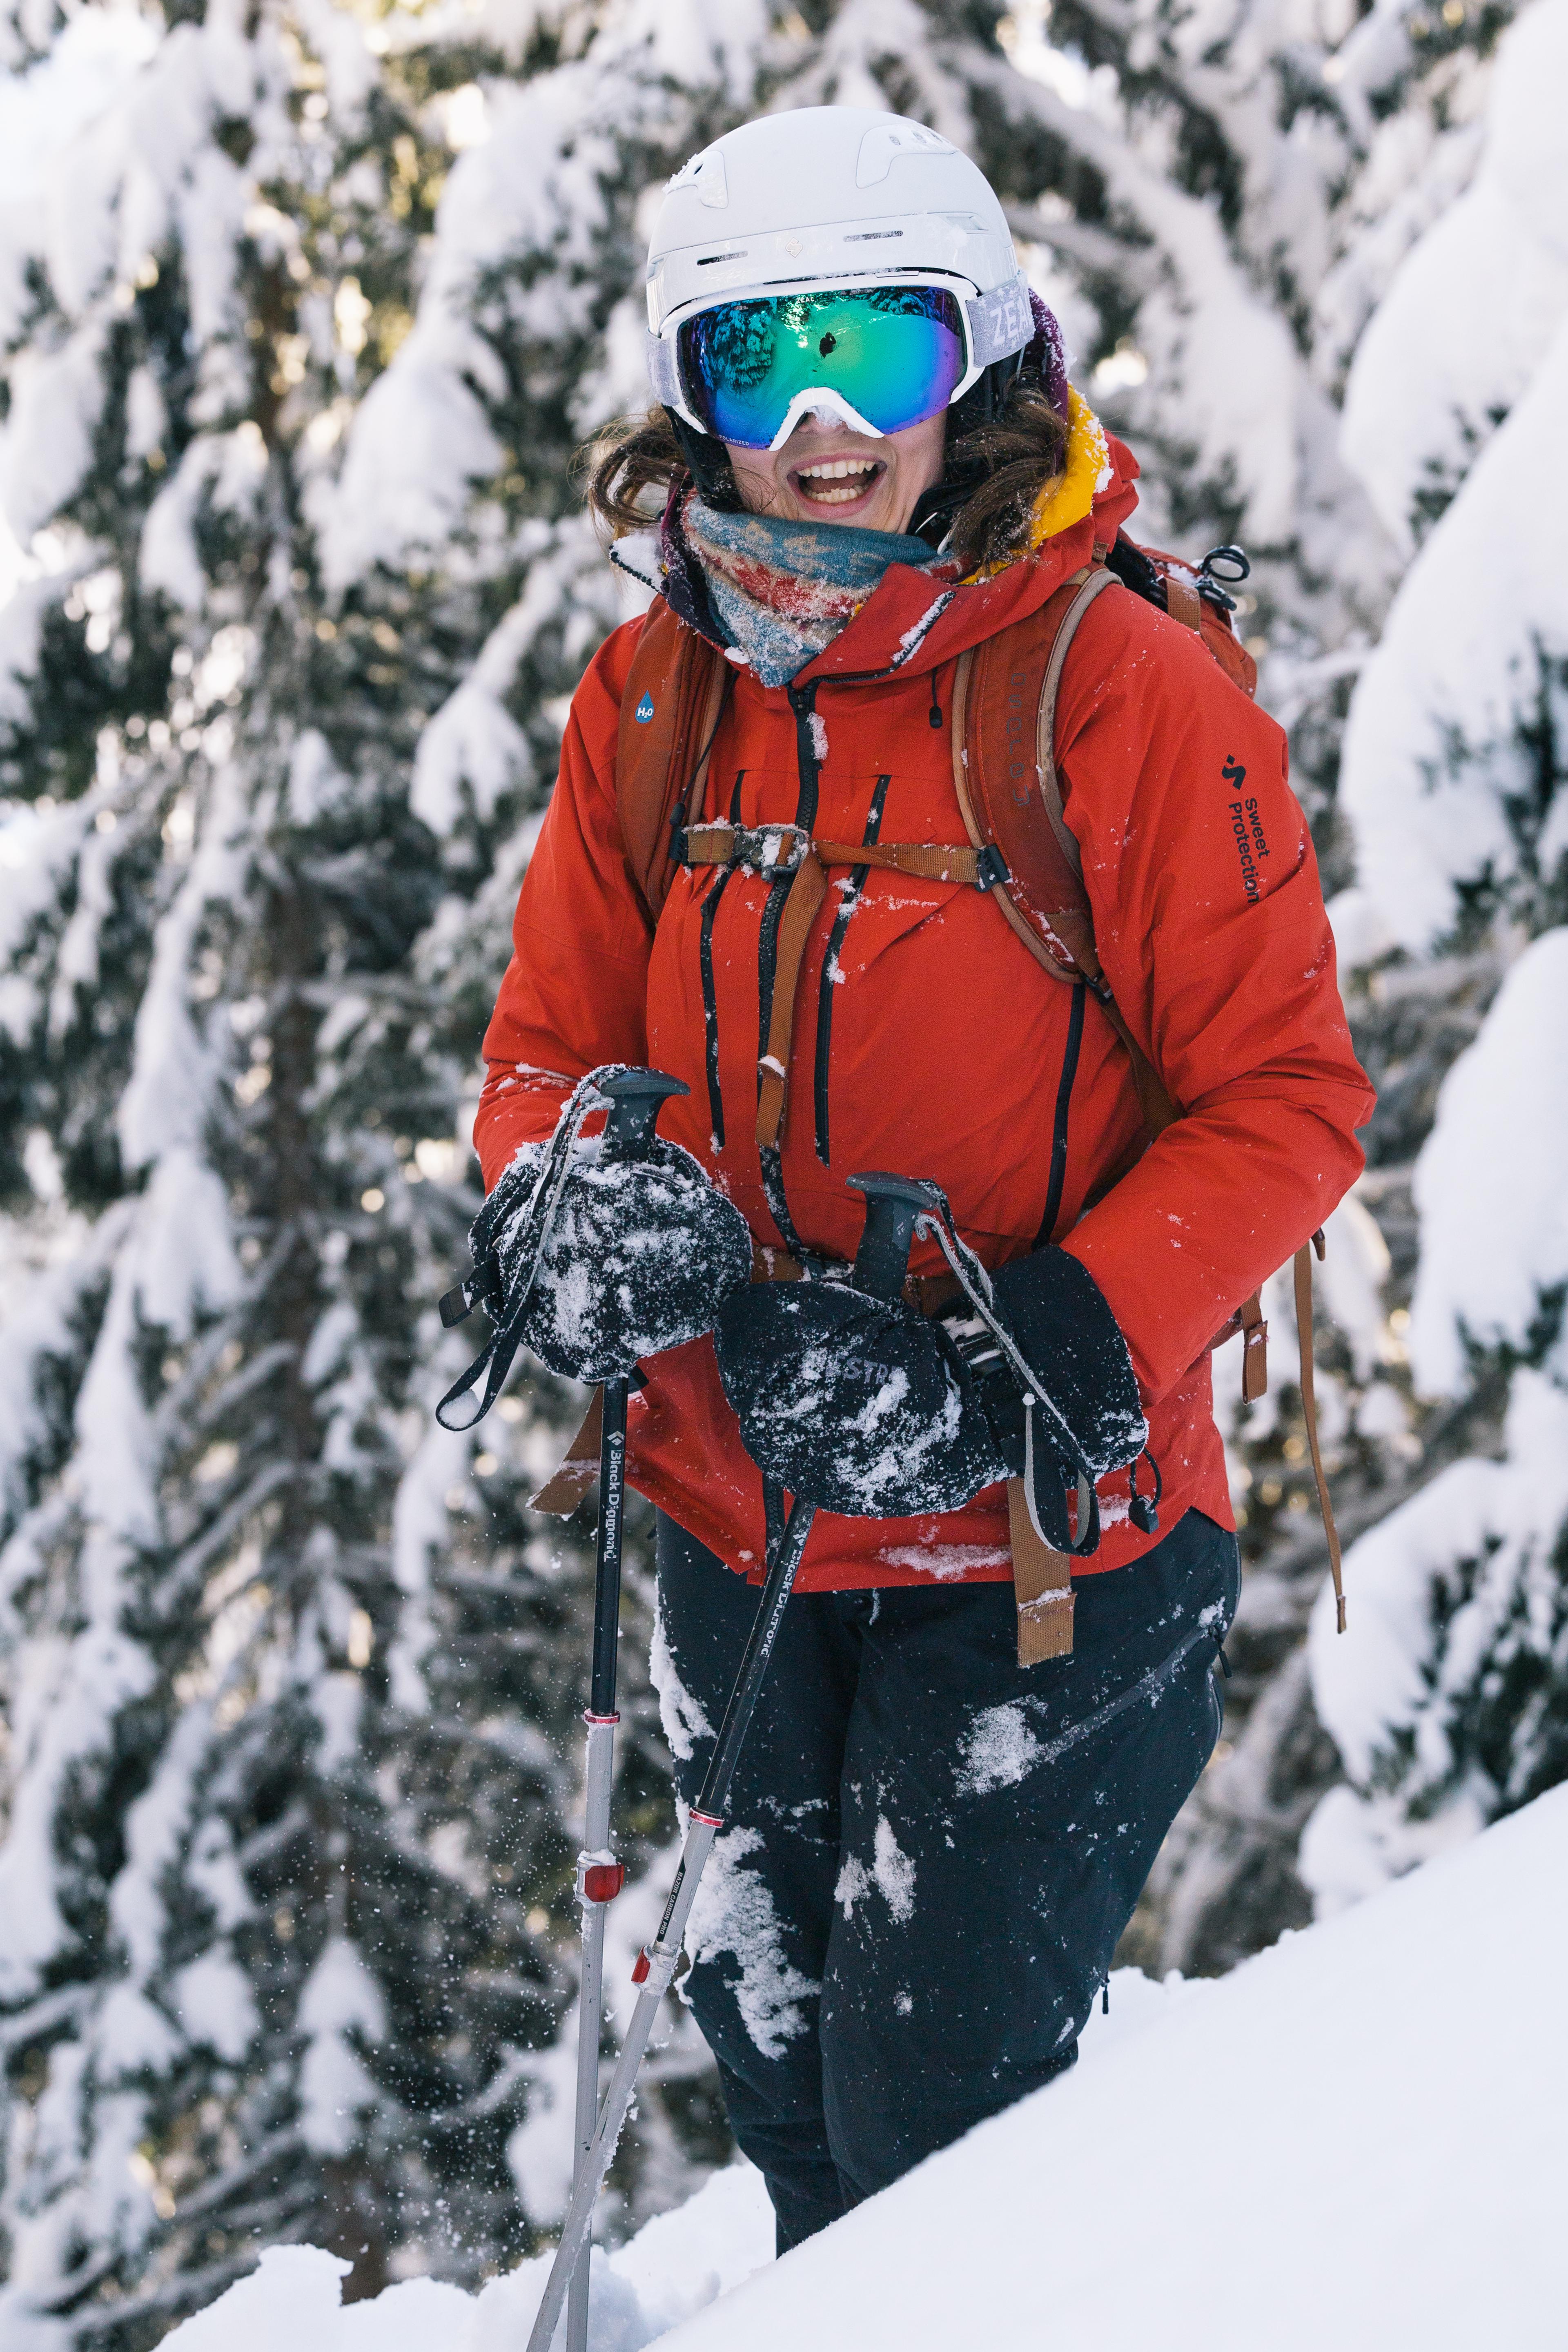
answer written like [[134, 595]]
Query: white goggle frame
[[993, 325]]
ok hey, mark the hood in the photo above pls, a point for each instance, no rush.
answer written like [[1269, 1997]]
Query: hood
[[912, 622]]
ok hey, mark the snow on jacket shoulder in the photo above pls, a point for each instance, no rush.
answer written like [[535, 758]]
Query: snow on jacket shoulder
[[927, 1039]]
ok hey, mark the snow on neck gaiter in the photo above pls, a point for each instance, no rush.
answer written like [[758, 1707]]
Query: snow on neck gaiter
[[783, 591]]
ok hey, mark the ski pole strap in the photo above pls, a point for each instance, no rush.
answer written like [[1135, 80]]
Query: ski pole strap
[[536, 1221], [976, 1284], [1303, 1273]]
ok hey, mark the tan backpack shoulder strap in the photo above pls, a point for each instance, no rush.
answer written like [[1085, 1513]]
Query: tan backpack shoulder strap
[[1099, 580], [674, 697], [1009, 795], [1036, 885], [1184, 604], [1004, 773]]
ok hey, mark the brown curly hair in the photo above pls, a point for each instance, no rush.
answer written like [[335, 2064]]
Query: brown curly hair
[[997, 470]]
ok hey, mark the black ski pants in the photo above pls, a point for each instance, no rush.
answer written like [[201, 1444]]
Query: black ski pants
[[930, 1853]]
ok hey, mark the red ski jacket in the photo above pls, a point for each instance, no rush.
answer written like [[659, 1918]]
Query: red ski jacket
[[926, 1038]]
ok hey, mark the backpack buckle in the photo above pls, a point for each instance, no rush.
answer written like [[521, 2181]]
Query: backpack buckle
[[991, 868], [771, 852]]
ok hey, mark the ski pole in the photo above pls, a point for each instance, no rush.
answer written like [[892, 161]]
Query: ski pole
[[657, 1965], [599, 1877], [636, 1097], [893, 1205]]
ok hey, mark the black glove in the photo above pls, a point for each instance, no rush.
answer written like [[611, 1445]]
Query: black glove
[[853, 1403], [594, 1257], [1055, 1315], [636, 1256]]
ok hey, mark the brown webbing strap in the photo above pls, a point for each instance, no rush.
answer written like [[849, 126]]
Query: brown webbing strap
[[720, 684], [713, 845], [1042, 1584], [1158, 1105], [926, 1293], [1310, 1412], [807, 892], [683, 685], [1056, 959], [578, 1467], [1254, 1348], [1096, 583]]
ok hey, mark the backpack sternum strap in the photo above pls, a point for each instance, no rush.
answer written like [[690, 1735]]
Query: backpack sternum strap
[[772, 850]]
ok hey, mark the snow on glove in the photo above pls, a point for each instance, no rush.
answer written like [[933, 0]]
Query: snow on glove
[[853, 1403], [1054, 1313], [636, 1259], [595, 1256]]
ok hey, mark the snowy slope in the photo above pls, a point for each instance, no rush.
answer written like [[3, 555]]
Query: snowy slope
[[1398, 2076]]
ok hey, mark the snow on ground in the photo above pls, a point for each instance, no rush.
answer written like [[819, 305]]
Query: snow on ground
[[1355, 2140], [670, 2270]]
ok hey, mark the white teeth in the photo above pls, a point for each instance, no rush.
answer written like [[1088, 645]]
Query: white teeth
[[837, 481]]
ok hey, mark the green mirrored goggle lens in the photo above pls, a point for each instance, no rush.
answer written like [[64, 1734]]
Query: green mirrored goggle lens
[[895, 353]]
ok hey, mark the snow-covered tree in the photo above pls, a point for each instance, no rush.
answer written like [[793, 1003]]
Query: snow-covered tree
[[285, 1889], [1456, 780], [305, 310], [1228, 199]]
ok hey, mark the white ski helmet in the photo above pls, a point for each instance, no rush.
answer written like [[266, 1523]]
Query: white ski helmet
[[832, 196]]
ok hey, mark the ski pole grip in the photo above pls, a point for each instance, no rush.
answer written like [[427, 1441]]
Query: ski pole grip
[[892, 1206], [635, 1099]]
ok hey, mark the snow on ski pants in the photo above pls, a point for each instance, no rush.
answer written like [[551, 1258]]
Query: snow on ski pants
[[930, 1853]]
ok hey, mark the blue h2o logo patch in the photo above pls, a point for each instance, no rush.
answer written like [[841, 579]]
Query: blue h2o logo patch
[[645, 710]]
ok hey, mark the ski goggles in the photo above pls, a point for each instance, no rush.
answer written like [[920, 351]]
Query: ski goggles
[[889, 356]]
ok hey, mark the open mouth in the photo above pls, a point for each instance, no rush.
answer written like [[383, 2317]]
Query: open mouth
[[836, 481]]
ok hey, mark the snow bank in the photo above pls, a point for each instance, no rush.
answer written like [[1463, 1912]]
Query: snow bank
[[1386, 2168], [669, 2271], [1355, 2140]]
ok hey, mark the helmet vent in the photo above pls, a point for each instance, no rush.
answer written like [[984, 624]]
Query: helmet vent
[[707, 260]]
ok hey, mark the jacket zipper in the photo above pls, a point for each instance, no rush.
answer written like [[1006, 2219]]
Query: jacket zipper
[[1063, 1105], [851, 897], [710, 994]]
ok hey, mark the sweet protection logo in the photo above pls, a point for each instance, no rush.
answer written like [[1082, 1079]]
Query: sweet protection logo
[[1245, 824]]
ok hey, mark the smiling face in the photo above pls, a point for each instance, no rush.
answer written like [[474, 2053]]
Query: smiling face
[[826, 473]]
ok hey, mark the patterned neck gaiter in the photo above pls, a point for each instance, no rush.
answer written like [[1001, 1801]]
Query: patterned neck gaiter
[[782, 591]]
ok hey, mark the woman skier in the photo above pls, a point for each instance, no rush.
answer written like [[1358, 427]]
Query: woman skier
[[874, 481]]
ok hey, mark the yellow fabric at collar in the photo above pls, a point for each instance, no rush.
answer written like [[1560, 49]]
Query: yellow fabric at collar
[[1069, 498]]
